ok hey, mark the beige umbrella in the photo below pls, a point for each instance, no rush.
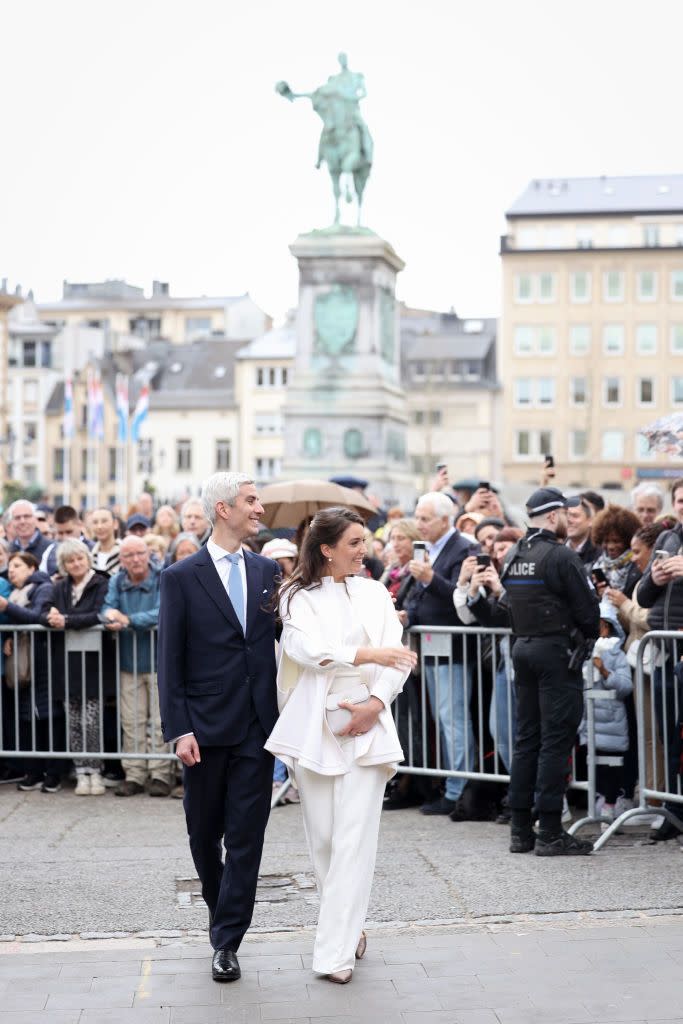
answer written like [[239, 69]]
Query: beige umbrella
[[286, 504]]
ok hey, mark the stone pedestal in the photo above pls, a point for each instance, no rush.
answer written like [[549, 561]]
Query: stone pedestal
[[345, 410]]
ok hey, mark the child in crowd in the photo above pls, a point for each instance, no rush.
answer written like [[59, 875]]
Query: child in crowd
[[608, 669]]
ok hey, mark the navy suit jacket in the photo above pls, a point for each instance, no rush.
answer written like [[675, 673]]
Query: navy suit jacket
[[211, 677]]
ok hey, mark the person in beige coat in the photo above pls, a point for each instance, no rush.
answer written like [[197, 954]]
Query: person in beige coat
[[341, 664]]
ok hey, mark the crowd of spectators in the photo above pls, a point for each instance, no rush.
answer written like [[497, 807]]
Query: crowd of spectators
[[442, 565]]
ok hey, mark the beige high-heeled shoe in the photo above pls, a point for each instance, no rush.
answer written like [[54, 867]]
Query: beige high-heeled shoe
[[340, 977], [362, 946]]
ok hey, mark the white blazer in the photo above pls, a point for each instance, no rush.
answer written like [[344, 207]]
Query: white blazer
[[311, 634]]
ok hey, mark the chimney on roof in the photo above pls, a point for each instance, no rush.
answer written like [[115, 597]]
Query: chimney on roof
[[159, 288]]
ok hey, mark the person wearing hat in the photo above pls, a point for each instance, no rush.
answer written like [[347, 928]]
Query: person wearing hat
[[283, 552], [138, 525], [553, 608]]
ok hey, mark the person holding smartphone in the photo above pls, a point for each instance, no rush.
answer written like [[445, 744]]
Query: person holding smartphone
[[661, 591]]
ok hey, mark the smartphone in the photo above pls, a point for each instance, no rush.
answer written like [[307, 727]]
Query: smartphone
[[419, 551], [483, 561], [484, 485], [661, 555], [550, 461], [599, 576]]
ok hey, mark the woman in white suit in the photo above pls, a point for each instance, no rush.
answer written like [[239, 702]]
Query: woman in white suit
[[341, 663]]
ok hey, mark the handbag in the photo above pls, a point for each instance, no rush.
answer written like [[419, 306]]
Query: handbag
[[338, 718], [18, 663]]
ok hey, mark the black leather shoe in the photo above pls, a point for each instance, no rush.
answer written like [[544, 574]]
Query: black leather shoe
[[522, 842], [441, 806], [225, 966], [562, 845], [667, 830]]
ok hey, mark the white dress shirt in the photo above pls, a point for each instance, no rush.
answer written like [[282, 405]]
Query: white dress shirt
[[222, 567]]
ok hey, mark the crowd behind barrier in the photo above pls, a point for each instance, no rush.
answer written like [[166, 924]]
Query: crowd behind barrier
[[79, 601]]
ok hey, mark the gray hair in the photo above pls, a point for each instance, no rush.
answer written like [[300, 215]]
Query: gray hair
[[67, 549], [221, 487], [179, 539], [20, 501], [441, 503], [647, 491]]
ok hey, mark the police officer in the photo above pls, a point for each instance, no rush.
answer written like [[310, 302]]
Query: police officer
[[554, 609]]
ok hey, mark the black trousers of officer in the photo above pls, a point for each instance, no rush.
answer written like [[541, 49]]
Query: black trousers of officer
[[549, 710]]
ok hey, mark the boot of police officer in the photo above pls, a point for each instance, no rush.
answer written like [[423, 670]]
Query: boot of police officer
[[554, 614]]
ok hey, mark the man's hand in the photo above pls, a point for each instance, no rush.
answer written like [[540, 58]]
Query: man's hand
[[187, 749], [468, 567], [421, 571], [491, 581], [667, 568], [440, 481], [363, 716], [116, 619]]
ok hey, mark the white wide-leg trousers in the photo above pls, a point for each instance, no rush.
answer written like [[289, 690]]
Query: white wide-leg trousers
[[341, 817]]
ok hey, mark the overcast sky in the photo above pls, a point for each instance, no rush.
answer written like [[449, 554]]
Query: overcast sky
[[144, 139]]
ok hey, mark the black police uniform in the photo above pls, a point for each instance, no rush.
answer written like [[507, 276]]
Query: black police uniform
[[549, 598]]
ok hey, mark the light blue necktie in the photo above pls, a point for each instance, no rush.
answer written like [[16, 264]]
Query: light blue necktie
[[236, 590]]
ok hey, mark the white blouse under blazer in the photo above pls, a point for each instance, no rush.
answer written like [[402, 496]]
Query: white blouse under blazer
[[317, 626]]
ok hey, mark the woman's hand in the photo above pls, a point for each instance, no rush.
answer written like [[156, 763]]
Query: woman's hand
[[468, 567], [401, 658], [363, 716], [616, 597], [477, 580], [56, 619], [492, 581]]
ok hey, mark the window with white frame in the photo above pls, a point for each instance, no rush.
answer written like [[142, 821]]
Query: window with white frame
[[183, 455], [197, 327], [267, 423], [613, 286], [545, 391], [524, 340], [677, 390], [611, 391], [578, 390], [613, 339], [642, 448], [546, 287], [579, 339], [267, 468], [646, 339], [578, 444], [676, 289], [584, 236], [646, 391], [524, 290], [223, 448], [532, 444], [580, 286], [546, 341], [651, 235], [646, 286], [676, 339], [613, 445], [523, 393]]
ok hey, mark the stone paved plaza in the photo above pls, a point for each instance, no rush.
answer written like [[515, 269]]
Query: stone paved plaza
[[101, 922]]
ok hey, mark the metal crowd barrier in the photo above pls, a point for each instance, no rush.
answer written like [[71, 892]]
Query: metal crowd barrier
[[43, 709], [659, 717]]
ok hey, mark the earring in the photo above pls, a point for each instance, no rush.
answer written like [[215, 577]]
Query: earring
[[329, 560]]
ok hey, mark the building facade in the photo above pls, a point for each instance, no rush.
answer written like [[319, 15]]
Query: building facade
[[592, 327], [123, 309]]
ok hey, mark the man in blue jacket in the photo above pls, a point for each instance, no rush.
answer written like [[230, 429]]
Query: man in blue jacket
[[132, 605]]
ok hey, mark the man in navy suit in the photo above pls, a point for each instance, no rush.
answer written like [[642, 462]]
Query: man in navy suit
[[431, 604], [218, 702]]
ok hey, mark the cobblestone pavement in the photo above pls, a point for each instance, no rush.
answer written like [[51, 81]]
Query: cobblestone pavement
[[100, 921]]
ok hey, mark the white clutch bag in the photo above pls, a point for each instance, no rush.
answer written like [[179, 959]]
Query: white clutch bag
[[338, 718]]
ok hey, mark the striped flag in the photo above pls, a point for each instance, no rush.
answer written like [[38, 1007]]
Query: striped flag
[[68, 418], [140, 414], [95, 405], [122, 406]]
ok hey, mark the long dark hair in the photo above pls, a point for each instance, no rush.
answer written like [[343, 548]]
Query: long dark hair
[[327, 527]]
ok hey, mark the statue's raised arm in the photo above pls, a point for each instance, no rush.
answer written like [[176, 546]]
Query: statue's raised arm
[[345, 143]]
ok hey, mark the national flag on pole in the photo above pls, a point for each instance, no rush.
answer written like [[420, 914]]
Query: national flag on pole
[[95, 406], [68, 419], [122, 406], [140, 413]]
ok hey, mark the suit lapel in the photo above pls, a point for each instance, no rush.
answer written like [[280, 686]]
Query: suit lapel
[[254, 588], [208, 576], [447, 546]]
